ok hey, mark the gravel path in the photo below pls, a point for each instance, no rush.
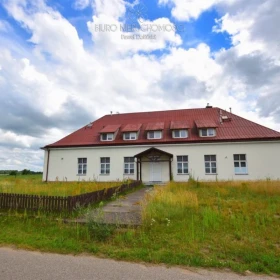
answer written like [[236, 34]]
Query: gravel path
[[25, 265]]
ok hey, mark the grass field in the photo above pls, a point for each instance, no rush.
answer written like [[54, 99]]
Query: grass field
[[32, 184], [221, 224]]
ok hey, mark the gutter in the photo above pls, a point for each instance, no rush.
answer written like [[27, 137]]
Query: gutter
[[249, 140], [48, 162]]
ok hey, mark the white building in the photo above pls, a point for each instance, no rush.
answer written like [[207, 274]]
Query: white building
[[207, 144]]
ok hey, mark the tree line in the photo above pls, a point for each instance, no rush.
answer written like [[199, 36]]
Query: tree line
[[17, 172]]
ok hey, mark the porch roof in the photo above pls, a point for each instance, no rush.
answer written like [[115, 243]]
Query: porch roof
[[151, 151]]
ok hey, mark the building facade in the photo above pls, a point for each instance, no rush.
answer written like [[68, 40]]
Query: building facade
[[207, 144]]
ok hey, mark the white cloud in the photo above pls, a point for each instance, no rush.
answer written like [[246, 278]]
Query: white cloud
[[81, 4], [186, 10], [110, 8], [58, 85]]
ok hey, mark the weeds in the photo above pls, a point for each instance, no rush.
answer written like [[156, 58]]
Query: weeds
[[33, 185], [209, 224]]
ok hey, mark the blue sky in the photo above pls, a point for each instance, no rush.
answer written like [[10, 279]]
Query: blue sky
[[58, 73]]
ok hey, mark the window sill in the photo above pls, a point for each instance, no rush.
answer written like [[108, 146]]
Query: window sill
[[183, 174], [104, 174], [131, 174], [211, 173], [241, 174], [81, 175]]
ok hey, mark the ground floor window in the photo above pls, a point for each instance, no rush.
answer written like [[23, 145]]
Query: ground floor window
[[210, 164], [105, 165], [129, 165], [240, 164], [82, 166], [182, 165]]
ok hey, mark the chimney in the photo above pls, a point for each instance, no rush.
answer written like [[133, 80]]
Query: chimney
[[209, 106], [230, 109]]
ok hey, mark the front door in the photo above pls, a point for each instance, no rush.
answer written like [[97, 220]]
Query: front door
[[155, 172]]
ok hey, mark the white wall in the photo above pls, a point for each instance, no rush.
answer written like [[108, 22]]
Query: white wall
[[262, 160]]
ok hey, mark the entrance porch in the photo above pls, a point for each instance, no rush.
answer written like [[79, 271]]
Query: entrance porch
[[154, 166]]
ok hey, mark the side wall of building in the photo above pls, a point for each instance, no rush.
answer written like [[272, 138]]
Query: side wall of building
[[262, 161]]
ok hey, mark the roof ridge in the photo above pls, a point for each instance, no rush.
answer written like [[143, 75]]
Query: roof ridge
[[161, 111]]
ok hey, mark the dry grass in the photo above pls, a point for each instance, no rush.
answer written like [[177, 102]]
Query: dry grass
[[224, 224], [32, 184], [268, 187]]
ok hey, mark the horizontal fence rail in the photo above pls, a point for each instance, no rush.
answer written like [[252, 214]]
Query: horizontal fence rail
[[59, 203]]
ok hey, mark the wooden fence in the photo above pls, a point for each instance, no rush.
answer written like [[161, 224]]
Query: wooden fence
[[58, 203]]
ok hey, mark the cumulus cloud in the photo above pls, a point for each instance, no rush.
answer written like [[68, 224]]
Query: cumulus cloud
[[54, 84]]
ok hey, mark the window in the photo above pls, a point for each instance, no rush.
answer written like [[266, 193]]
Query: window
[[207, 132], [154, 134], [107, 137], [105, 165], [182, 165], [82, 166], [128, 165], [130, 136], [240, 164], [210, 164], [180, 133]]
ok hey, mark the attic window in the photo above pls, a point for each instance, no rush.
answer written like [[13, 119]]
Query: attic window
[[207, 132], [155, 134], [130, 136], [107, 136], [182, 133]]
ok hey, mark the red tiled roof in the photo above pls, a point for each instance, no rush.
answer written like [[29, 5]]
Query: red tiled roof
[[179, 125], [155, 126], [110, 128], [237, 129], [132, 127], [206, 123]]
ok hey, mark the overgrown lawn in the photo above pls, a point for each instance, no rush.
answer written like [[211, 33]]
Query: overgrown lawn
[[33, 184], [218, 224]]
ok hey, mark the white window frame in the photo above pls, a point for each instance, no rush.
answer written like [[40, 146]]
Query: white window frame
[[105, 165], [131, 136], [210, 132], [150, 133], [181, 131], [109, 137], [82, 166], [240, 159], [210, 162], [129, 166], [182, 161]]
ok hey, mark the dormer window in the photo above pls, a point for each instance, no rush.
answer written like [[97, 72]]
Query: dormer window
[[206, 128], [182, 133], [207, 132], [154, 130], [130, 136], [155, 134], [107, 136], [109, 132]]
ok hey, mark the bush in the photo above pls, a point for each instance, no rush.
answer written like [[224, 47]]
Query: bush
[[13, 173]]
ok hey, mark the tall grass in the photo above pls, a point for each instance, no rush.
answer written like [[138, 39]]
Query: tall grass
[[210, 224], [33, 184], [228, 223]]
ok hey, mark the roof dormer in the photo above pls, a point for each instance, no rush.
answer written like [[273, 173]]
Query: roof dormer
[[109, 132], [179, 129], [131, 131], [154, 130], [206, 128]]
